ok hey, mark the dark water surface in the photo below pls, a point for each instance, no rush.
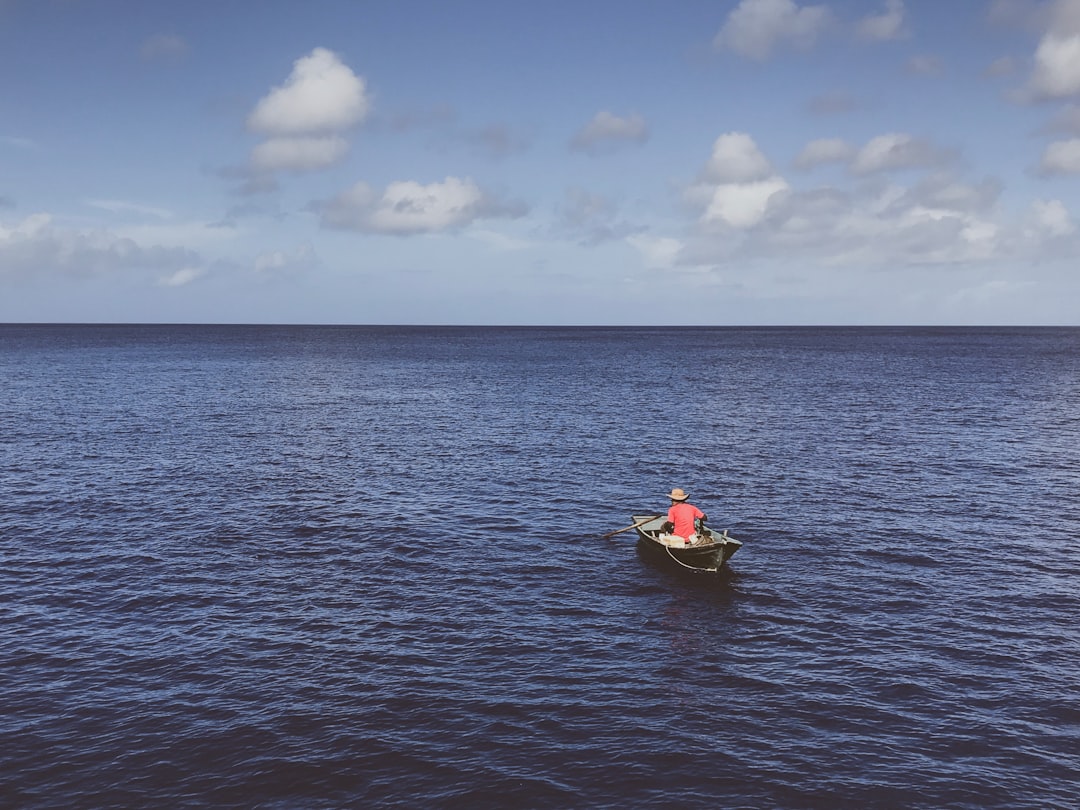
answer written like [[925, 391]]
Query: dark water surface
[[287, 567]]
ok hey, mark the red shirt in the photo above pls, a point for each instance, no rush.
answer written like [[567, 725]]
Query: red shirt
[[683, 516]]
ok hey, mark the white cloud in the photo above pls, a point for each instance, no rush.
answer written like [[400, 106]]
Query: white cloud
[[281, 262], [749, 213], [591, 218], [321, 95], [824, 150], [981, 237], [894, 151], [736, 159], [305, 118], [886, 230], [1056, 72], [756, 27], [35, 247], [883, 153], [1061, 157], [182, 277], [944, 192], [942, 219], [606, 131], [1051, 217], [742, 205], [299, 154], [885, 26], [1057, 67], [737, 185], [27, 228], [657, 252], [185, 235], [407, 207]]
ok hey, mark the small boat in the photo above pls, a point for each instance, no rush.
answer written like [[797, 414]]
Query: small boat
[[703, 557]]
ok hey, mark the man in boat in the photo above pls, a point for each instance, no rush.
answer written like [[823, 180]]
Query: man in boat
[[682, 517]]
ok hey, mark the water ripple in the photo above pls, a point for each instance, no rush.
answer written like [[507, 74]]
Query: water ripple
[[327, 567]]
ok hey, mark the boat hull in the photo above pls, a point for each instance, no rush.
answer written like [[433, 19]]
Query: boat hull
[[704, 558]]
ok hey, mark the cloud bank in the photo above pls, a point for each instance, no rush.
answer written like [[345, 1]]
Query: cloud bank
[[756, 29], [407, 207], [747, 211], [34, 247]]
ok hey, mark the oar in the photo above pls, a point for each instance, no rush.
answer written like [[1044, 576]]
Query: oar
[[628, 528]]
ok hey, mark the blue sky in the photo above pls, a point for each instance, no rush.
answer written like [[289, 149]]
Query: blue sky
[[603, 162]]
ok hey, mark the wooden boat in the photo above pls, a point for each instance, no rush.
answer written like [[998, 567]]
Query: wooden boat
[[703, 558]]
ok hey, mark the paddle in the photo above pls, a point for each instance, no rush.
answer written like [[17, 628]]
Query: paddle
[[628, 528]]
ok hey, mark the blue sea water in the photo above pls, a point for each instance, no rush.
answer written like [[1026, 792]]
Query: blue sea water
[[325, 567]]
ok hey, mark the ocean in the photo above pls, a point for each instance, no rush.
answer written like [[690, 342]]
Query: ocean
[[329, 567]]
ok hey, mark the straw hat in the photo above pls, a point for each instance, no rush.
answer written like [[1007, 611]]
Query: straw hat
[[677, 495]]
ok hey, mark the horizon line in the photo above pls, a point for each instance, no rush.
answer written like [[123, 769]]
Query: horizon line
[[548, 325]]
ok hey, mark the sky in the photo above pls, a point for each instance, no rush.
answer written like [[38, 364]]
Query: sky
[[607, 162]]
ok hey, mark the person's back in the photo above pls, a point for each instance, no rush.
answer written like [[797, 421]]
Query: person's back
[[682, 514]]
